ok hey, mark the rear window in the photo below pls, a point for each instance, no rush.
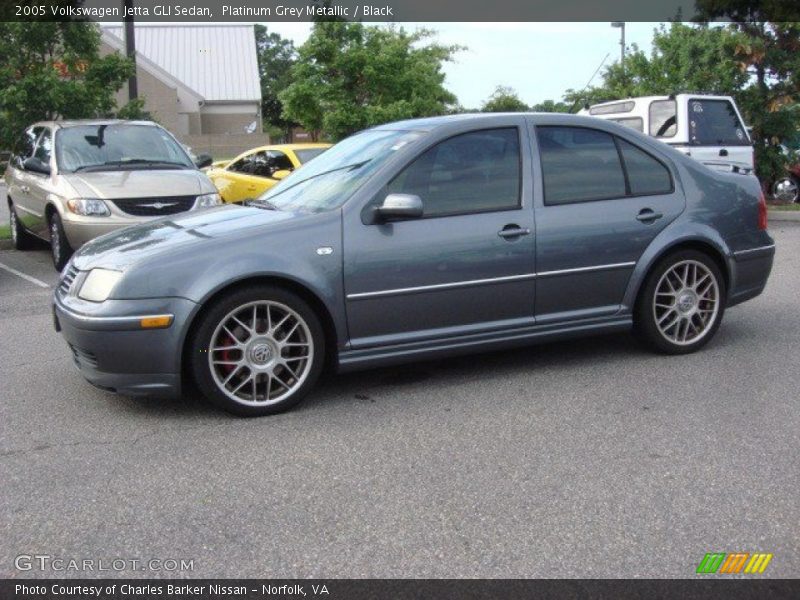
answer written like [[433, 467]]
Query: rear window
[[610, 109], [715, 123], [663, 118]]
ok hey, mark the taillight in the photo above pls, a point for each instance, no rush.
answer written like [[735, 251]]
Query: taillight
[[762, 212]]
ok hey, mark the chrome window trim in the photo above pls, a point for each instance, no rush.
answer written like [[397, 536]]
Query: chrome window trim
[[473, 282]]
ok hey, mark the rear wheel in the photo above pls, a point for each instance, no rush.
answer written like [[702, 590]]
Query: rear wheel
[[681, 305], [59, 244], [257, 351], [21, 239]]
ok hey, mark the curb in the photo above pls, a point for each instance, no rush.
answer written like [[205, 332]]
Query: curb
[[784, 215]]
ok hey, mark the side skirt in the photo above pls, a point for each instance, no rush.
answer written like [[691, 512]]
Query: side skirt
[[352, 360]]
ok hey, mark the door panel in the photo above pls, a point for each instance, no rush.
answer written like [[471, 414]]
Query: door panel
[[604, 201], [467, 265], [468, 274]]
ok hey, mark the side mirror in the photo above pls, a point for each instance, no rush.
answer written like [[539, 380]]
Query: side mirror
[[281, 174], [203, 161], [36, 165], [399, 206]]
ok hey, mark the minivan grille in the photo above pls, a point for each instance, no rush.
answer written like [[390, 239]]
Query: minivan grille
[[155, 207], [67, 280]]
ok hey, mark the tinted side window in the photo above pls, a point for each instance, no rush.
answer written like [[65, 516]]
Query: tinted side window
[[279, 161], [715, 123], [633, 122], [243, 165], [646, 175], [24, 146], [663, 118], [44, 147], [579, 165], [473, 172]]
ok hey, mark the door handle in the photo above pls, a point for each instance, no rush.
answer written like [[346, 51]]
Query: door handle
[[646, 215], [513, 231], [723, 152]]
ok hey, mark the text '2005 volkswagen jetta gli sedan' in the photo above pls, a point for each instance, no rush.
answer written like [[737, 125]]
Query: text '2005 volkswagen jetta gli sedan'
[[415, 240]]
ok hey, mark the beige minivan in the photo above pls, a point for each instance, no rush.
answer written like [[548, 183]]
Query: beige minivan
[[71, 181]]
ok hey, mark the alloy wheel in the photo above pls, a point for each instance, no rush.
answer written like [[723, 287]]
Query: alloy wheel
[[13, 222], [260, 353], [686, 302], [55, 240], [786, 189]]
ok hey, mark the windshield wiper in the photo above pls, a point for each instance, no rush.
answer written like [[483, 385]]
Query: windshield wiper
[[265, 204]]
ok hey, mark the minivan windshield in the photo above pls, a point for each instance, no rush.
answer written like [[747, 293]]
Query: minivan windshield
[[331, 178], [120, 146]]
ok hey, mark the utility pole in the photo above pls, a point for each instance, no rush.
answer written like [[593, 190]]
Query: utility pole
[[621, 26], [130, 48]]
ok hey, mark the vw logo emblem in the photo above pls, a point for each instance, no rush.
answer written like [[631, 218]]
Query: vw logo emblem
[[261, 354]]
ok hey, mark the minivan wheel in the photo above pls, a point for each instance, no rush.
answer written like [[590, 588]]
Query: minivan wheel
[[21, 239], [59, 245], [257, 351], [681, 305], [786, 189]]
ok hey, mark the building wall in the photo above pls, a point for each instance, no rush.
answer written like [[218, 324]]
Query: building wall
[[224, 146]]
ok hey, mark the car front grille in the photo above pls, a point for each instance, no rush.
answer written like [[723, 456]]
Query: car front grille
[[67, 280], [83, 357], [155, 207]]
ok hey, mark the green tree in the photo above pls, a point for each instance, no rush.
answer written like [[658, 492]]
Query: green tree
[[504, 99], [276, 56], [350, 76], [551, 106], [54, 70]]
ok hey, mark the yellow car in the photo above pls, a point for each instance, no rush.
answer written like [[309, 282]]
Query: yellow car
[[253, 172]]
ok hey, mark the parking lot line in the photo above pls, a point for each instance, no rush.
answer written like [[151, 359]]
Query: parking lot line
[[24, 276]]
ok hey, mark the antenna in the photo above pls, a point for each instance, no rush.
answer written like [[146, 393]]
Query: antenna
[[596, 71]]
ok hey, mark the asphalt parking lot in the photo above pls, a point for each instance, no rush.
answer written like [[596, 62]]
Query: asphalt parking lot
[[590, 458]]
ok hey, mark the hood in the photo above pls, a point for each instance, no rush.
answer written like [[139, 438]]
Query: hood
[[124, 247], [142, 183]]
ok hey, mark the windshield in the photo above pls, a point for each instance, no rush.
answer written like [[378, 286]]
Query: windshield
[[331, 178], [118, 146]]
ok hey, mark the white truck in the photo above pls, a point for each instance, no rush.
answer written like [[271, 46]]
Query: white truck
[[710, 129]]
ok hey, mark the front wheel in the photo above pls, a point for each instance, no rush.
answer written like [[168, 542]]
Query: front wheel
[[59, 244], [257, 351], [681, 305]]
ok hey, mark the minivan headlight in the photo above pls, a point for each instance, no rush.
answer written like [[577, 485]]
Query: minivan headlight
[[88, 207], [98, 284], [208, 200]]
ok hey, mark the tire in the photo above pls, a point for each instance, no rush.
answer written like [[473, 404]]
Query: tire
[[21, 239], [786, 189], [681, 305], [252, 372], [60, 249]]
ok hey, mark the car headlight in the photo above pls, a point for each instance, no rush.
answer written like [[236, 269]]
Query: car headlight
[[88, 207], [98, 284], [208, 200]]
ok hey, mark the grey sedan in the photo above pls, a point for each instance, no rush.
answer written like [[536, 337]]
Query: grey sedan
[[415, 240]]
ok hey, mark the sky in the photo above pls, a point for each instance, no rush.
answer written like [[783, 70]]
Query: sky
[[540, 61]]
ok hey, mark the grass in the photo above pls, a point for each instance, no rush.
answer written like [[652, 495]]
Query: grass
[[5, 232], [795, 206]]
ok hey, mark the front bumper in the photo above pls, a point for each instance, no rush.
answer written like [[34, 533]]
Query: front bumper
[[114, 353]]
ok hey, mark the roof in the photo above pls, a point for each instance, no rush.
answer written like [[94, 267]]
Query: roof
[[92, 122], [218, 62]]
